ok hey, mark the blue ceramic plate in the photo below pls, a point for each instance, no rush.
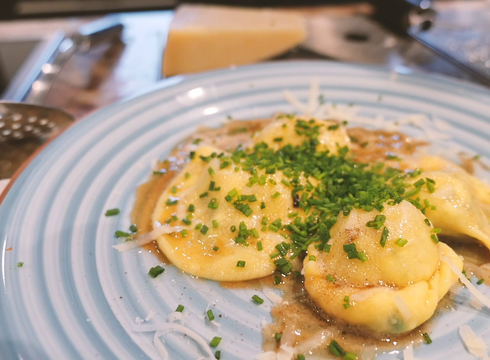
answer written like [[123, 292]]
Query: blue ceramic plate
[[76, 297]]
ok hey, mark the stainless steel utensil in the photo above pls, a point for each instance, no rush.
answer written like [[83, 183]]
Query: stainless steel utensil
[[23, 121]]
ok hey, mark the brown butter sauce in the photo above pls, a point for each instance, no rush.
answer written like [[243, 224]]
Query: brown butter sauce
[[297, 318]]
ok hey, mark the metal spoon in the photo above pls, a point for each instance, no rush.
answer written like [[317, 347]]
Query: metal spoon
[[23, 121]]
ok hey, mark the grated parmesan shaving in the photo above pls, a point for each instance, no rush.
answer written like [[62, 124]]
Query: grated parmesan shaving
[[215, 323], [272, 296], [313, 97], [472, 289], [163, 329], [408, 353], [365, 294], [293, 100], [150, 315], [285, 353], [402, 308], [269, 355], [147, 238], [473, 343], [176, 317]]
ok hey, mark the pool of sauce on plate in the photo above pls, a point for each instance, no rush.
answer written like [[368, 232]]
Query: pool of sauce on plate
[[302, 324]]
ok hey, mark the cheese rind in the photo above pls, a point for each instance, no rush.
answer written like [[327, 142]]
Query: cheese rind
[[211, 37]]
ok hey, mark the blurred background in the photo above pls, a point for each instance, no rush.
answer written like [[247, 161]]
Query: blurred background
[[81, 55]]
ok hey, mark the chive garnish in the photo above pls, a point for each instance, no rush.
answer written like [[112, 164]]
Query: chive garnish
[[156, 270], [20, 264], [112, 212], [257, 299], [184, 233], [259, 246], [240, 263], [210, 315], [276, 194], [278, 336], [133, 228], [180, 308], [479, 282], [121, 234], [204, 229], [427, 338], [401, 242], [215, 224], [215, 342], [217, 354]]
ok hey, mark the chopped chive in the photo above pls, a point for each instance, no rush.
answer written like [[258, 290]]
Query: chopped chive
[[174, 189], [210, 315], [384, 236], [278, 139], [204, 229], [192, 155], [191, 208], [156, 270], [427, 222], [401, 242], [203, 195], [259, 246], [276, 194], [184, 233], [211, 171], [277, 280], [349, 356], [112, 212], [187, 175], [262, 205], [213, 204], [312, 258], [278, 336], [121, 234], [336, 349], [215, 342], [293, 214], [180, 308], [479, 282], [255, 233], [20, 264], [434, 238], [212, 184], [427, 338], [330, 278], [257, 299], [300, 357], [171, 202], [217, 354], [233, 228], [215, 248], [361, 255], [215, 224], [240, 263], [133, 228]]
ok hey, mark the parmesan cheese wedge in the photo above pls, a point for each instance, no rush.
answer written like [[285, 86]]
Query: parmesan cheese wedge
[[211, 37]]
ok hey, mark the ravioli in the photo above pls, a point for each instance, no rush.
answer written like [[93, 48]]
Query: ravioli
[[215, 252], [399, 285], [287, 130], [461, 201]]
